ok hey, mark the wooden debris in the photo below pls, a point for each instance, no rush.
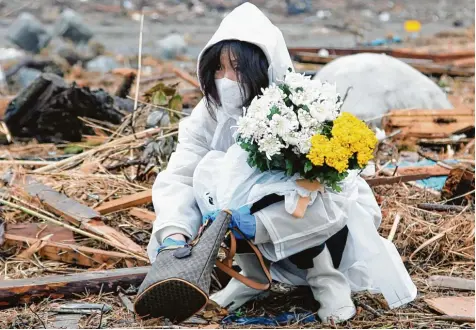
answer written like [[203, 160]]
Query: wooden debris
[[460, 182], [396, 179], [429, 123], [24, 291], [398, 217], [187, 77], [69, 253], [143, 214], [440, 207], [399, 53], [427, 67], [433, 170], [65, 321], [81, 308], [39, 230], [76, 213], [126, 302], [82, 156], [454, 306], [451, 282], [126, 202]]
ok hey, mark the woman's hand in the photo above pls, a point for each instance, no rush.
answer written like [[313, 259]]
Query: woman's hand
[[241, 219]]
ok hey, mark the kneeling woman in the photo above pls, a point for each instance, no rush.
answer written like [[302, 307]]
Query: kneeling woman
[[334, 249]]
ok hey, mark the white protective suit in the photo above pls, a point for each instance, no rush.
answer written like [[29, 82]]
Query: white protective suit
[[209, 172]]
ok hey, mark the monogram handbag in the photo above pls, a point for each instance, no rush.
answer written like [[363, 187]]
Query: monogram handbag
[[178, 283]]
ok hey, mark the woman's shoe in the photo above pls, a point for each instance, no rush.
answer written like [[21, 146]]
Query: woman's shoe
[[331, 289]]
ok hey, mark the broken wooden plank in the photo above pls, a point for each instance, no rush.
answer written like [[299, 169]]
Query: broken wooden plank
[[74, 212], [140, 198], [24, 291], [71, 253], [451, 282], [40, 230], [453, 306], [143, 214], [432, 170], [396, 179]]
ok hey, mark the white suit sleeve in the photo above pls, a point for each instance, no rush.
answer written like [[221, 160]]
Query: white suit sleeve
[[172, 194]]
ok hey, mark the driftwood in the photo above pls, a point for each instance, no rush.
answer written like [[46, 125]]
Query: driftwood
[[16, 292]]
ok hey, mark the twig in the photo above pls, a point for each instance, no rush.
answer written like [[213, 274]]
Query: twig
[[456, 318], [451, 199], [26, 162], [139, 69], [100, 319], [77, 230], [394, 227], [105, 198], [163, 108], [431, 240], [368, 308], [39, 318]]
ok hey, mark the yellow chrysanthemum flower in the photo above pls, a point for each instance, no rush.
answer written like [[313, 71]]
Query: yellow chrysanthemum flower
[[319, 149], [350, 136]]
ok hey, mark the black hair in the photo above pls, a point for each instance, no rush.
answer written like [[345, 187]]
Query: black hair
[[252, 71]]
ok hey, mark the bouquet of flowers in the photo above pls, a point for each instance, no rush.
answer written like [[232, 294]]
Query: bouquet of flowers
[[297, 127]]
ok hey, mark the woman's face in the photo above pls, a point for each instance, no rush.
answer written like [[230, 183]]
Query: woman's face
[[228, 66]]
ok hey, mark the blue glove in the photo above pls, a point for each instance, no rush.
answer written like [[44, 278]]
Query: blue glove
[[244, 221], [241, 218], [170, 242]]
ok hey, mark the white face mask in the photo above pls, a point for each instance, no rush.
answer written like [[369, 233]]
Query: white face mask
[[230, 94]]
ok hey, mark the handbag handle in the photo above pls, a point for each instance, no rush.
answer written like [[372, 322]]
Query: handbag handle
[[226, 264]]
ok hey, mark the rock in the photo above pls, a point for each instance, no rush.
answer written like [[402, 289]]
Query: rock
[[380, 83], [172, 46], [28, 33], [71, 26], [102, 64], [158, 119]]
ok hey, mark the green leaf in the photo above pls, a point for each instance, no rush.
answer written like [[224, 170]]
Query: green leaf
[[159, 98], [175, 103], [308, 166]]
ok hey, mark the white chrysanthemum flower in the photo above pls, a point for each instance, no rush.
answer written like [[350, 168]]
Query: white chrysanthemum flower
[[270, 145], [247, 127], [280, 125]]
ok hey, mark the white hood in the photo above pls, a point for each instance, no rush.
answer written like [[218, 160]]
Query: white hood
[[247, 23]]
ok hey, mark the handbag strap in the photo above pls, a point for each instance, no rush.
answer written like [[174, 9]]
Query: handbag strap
[[227, 264]]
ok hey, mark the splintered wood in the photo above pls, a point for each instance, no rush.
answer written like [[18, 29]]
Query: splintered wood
[[422, 123]]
